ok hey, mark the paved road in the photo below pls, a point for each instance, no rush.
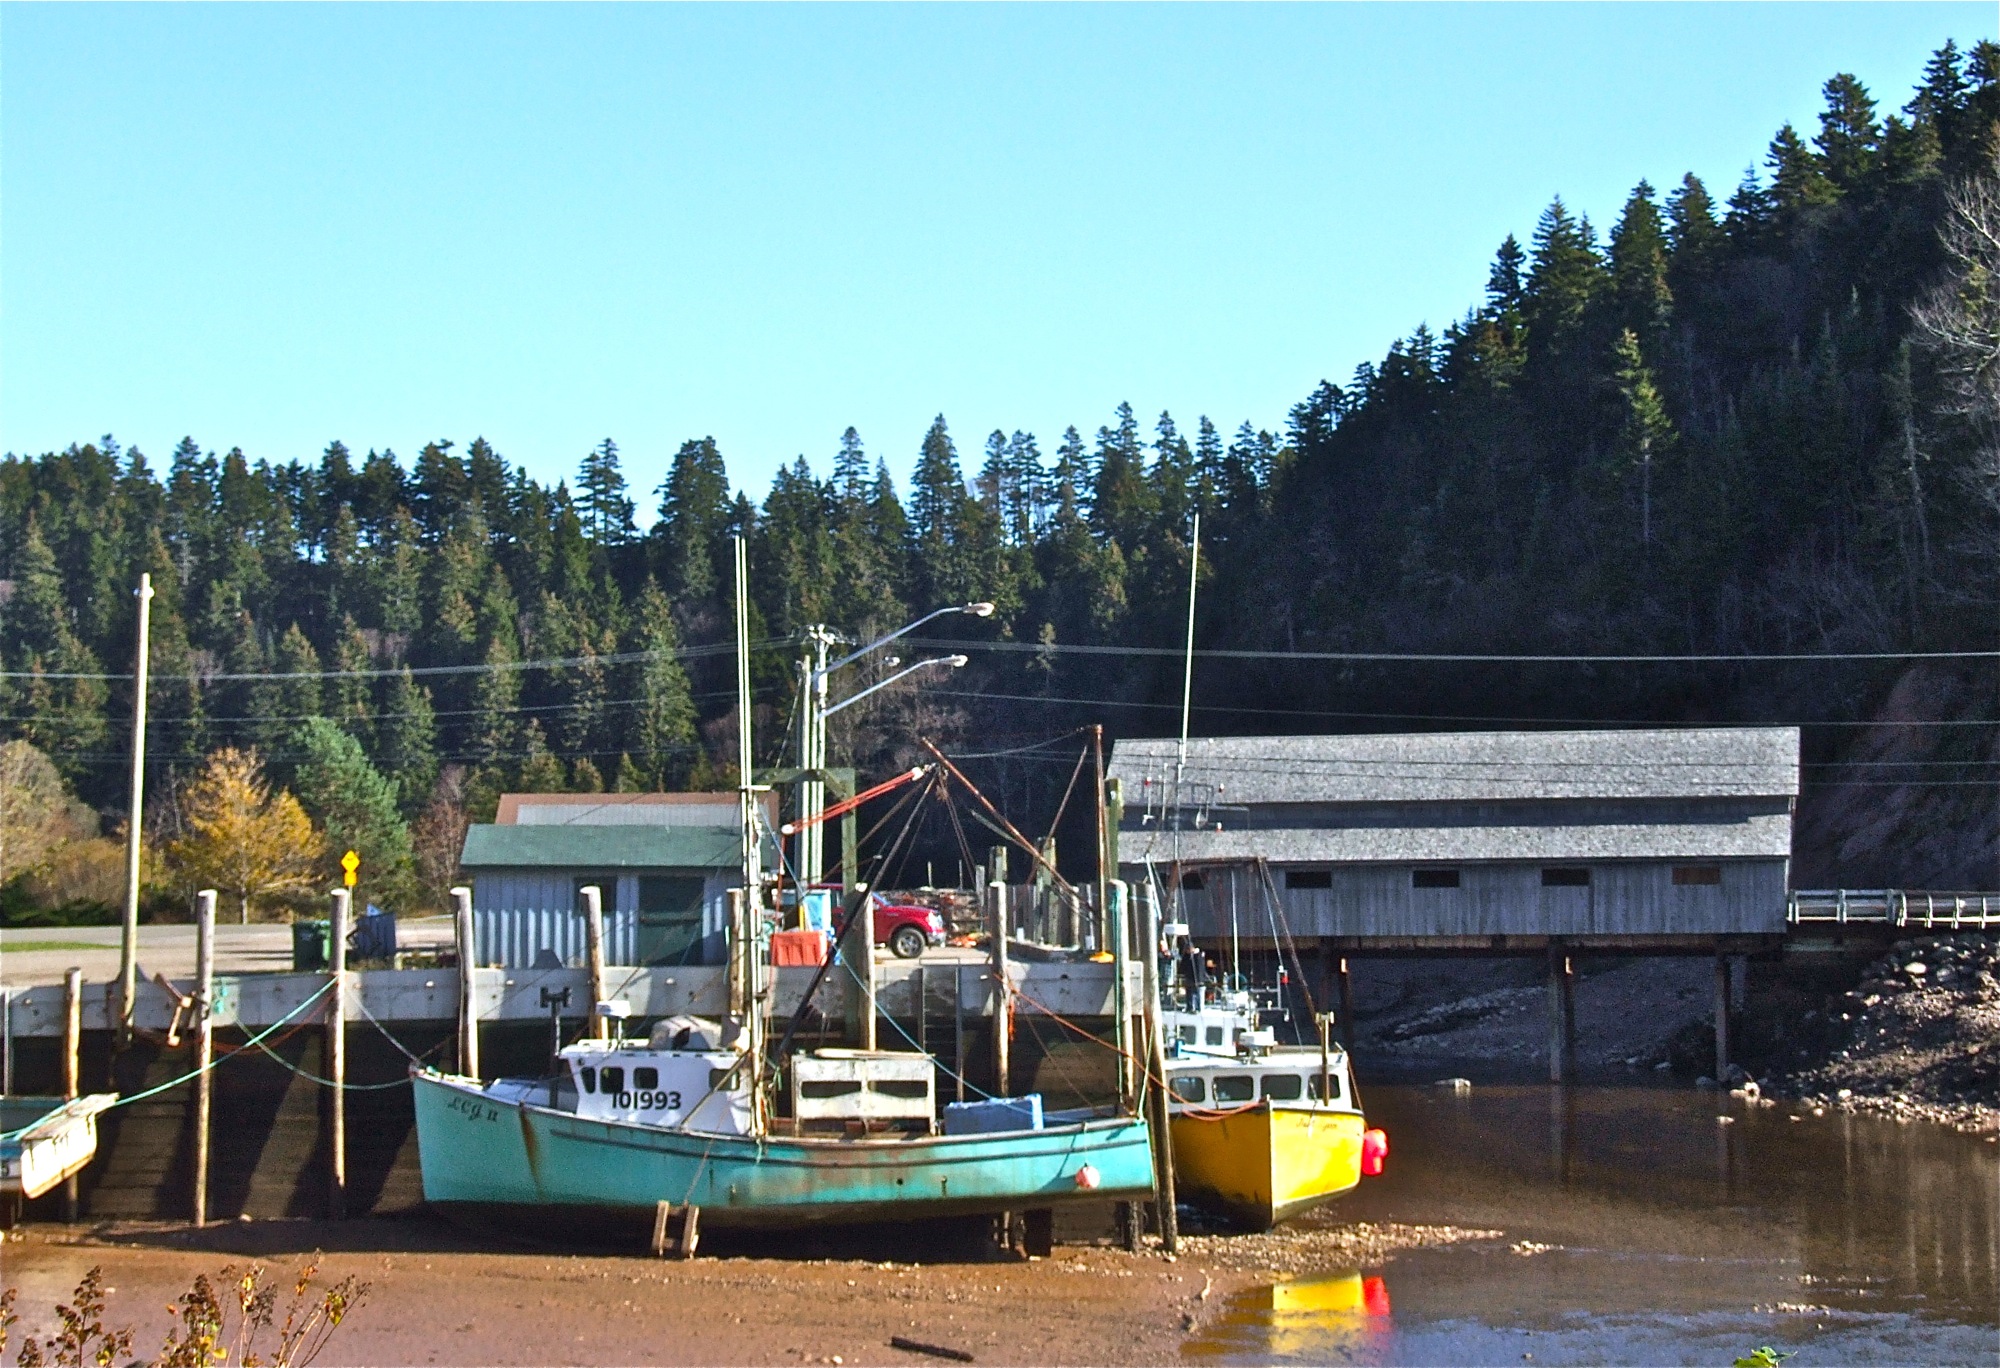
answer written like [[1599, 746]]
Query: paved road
[[30, 955]]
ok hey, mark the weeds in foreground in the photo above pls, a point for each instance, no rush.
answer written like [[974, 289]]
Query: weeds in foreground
[[219, 1321]]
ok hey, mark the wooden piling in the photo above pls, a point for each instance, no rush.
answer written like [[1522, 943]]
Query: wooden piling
[[336, 1054], [1346, 1004], [593, 951], [204, 1044], [1003, 994], [468, 1019], [869, 1007], [1721, 1018], [72, 1064], [958, 1028], [1562, 1015]]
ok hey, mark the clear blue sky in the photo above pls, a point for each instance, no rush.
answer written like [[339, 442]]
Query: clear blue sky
[[271, 226]]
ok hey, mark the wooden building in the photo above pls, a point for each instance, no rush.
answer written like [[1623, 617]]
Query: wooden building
[[665, 863], [1614, 835]]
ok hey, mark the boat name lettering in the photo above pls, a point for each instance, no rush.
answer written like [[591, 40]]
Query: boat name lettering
[[473, 1108]]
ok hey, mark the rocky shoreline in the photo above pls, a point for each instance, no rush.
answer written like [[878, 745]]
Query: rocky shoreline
[[1917, 1039]]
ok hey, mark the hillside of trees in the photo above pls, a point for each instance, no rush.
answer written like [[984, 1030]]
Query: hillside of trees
[[1742, 422]]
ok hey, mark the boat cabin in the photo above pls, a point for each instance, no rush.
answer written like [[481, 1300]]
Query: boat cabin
[[1293, 1076], [681, 1081]]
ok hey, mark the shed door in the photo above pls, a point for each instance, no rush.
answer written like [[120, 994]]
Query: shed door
[[669, 917]]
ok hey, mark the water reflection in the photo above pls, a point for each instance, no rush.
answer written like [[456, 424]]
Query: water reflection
[[1657, 1231], [1336, 1315]]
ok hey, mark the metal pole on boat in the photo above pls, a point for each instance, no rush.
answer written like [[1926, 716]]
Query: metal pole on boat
[[593, 956], [1156, 1085], [204, 1043], [468, 954], [72, 1064], [336, 1053]]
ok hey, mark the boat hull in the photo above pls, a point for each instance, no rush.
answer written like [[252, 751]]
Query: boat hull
[[1266, 1163], [479, 1152]]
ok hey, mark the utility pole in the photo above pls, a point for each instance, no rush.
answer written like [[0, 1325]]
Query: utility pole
[[128, 949]]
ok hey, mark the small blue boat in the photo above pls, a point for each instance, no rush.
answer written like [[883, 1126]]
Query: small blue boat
[[499, 1145]]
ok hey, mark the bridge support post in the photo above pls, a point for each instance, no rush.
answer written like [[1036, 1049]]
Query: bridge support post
[[1721, 1018], [1562, 1015]]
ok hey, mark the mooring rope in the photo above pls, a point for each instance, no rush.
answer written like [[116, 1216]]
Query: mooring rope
[[155, 1091]]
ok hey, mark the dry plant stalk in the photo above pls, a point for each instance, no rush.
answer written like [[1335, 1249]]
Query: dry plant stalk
[[212, 1326]]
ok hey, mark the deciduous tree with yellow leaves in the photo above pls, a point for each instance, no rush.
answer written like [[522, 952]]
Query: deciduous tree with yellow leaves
[[242, 837]]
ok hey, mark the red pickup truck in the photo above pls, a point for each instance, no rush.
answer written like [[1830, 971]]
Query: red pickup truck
[[904, 928]]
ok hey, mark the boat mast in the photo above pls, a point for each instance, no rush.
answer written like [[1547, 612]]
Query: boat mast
[[745, 931]]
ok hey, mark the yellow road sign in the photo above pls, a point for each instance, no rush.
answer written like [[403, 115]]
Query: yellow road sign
[[349, 863]]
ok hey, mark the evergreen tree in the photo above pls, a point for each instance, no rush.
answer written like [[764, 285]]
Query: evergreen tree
[[408, 732], [661, 733], [1693, 236], [1848, 135], [350, 698], [1505, 283], [694, 522], [938, 515], [63, 709], [601, 497], [354, 805], [1646, 432], [1639, 268], [1798, 181], [292, 697]]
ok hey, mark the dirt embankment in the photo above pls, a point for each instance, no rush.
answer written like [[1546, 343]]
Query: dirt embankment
[[1919, 1036]]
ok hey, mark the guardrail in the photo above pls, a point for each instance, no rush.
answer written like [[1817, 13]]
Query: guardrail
[[1898, 907]]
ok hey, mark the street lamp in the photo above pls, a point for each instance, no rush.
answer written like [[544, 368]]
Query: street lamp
[[814, 710]]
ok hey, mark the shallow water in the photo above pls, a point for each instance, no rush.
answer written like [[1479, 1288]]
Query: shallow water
[[1671, 1237]]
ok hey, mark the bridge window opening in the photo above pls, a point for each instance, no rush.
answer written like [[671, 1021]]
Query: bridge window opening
[[1188, 1088], [1283, 1087], [1312, 1088], [1565, 876], [1215, 1035], [1697, 876], [614, 1080], [588, 1076], [1434, 878], [645, 1078], [716, 1078], [1309, 878], [1192, 881], [1188, 1034], [910, 1088], [1235, 1088]]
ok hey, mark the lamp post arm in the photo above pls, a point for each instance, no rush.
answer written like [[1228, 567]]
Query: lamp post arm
[[879, 642], [955, 662]]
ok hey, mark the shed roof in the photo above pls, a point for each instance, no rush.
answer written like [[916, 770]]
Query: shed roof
[[1704, 762], [600, 847]]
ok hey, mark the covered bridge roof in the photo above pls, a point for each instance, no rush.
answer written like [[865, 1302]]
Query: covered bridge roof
[[1456, 767]]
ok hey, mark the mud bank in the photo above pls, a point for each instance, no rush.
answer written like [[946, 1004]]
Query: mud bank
[[437, 1297]]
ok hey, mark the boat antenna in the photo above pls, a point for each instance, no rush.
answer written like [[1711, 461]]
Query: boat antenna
[[1187, 706]]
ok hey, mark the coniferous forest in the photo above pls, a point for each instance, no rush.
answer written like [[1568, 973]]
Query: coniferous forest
[[1738, 421]]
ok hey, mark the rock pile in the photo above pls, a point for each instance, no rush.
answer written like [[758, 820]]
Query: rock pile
[[1918, 1037]]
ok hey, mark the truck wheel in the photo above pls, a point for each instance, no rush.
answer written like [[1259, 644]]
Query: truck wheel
[[908, 942]]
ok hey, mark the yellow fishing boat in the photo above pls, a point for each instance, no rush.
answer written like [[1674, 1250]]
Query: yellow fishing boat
[[1261, 1132]]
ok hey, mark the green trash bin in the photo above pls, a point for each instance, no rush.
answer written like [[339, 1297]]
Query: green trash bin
[[309, 945]]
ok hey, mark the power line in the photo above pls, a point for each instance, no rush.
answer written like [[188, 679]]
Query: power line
[[489, 667], [1451, 658], [1594, 722]]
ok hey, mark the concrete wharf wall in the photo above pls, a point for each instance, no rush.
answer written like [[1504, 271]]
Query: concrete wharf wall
[[271, 1130]]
